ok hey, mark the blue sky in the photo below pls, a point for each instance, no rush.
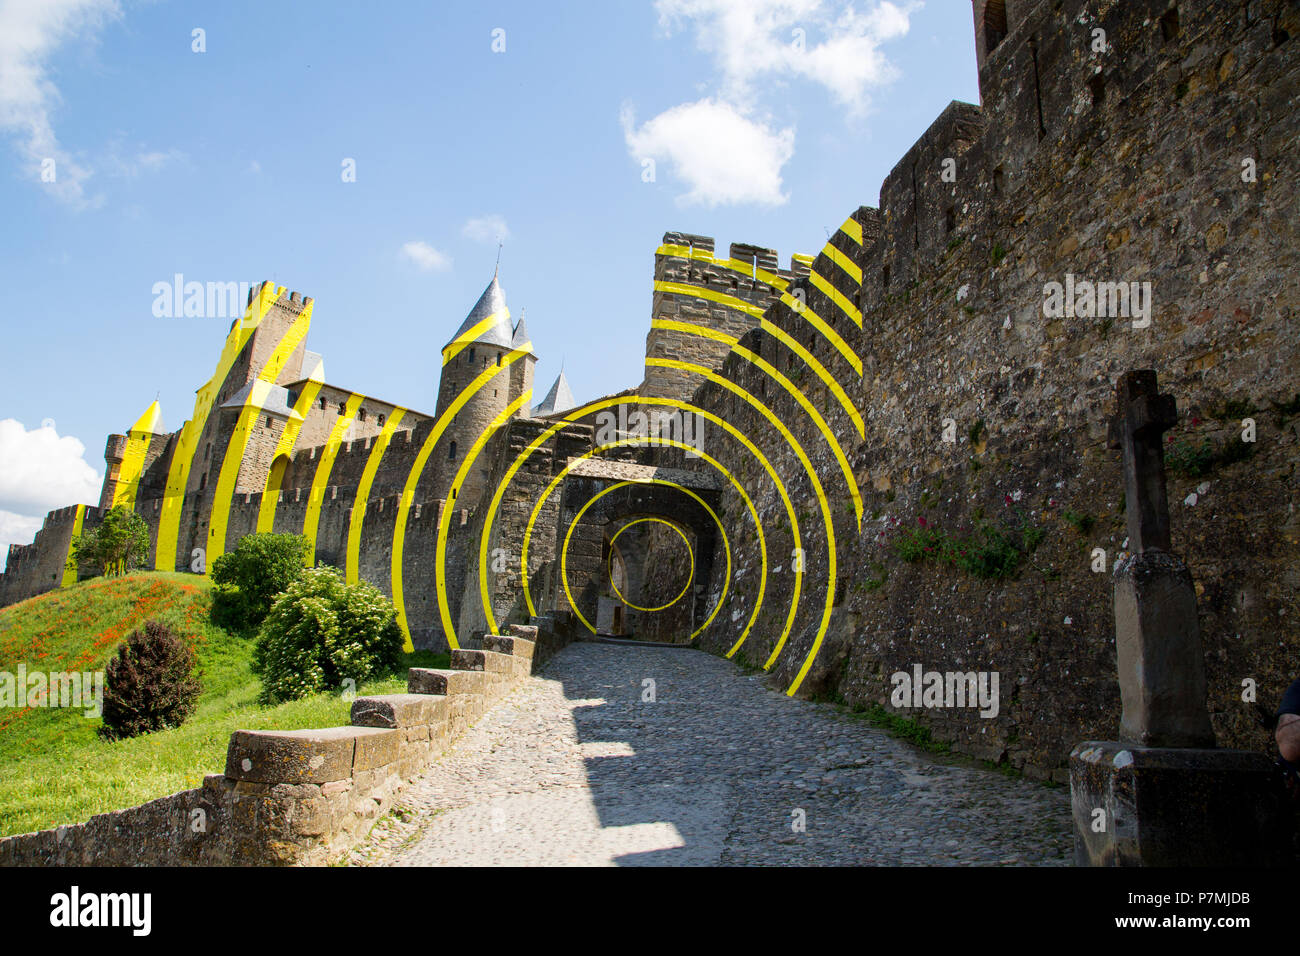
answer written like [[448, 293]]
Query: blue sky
[[227, 165]]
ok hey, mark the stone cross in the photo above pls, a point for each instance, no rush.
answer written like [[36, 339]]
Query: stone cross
[[1157, 631], [1142, 416]]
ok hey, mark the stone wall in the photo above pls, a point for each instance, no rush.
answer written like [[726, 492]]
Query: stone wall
[[304, 796], [1123, 165]]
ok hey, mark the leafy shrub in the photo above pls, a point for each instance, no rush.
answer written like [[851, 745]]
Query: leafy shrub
[[248, 579], [988, 552], [149, 685], [118, 544], [321, 632]]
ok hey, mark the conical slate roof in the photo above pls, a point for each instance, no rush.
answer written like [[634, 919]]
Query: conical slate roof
[[487, 322], [558, 399], [150, 423], [521, 339]]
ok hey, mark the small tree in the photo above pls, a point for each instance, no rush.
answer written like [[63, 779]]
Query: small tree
[[321, 632], [149, 685], [120, 542], [248, 579]]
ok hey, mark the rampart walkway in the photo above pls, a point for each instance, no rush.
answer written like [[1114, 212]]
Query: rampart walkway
[[575, 768]]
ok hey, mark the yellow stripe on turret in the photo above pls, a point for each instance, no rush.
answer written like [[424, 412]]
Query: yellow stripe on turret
[[249, 416], [461, 342], [178, 473], [137, 447]]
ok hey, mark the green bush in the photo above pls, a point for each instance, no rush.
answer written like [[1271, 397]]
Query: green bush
[[149, 685], [321, 632], [988, 552], [116, 545], [248, 579]]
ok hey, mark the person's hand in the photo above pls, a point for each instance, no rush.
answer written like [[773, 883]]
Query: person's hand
[[1288, 737]]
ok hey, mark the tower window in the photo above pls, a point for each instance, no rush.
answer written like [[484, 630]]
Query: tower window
[[323, 404], [268, 422], [341, 408], [451, 452], [471, 355], [361, 414], [380, 420], [995, 24], [498, 359]]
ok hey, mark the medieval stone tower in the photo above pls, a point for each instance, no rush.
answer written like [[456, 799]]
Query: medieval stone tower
[[486, 346]]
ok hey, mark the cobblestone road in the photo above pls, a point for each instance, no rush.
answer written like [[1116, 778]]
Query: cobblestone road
[[574, 768]]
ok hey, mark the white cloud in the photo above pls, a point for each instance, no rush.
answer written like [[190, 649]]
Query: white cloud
[[30, 31], [39, 471], [723, 156], [129, 164], [752, 41], [490, 228], [425, 257], [16, 529]]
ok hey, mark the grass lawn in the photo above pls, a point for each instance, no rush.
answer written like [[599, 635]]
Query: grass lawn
[[54, 767]]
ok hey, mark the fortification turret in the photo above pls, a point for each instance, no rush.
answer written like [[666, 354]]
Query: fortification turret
[[479, 365]]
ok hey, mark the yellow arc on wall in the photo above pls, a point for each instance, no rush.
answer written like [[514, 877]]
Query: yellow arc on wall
[[137, 447], [69, 566], [288, 439], [324, 465], [363, 493], [249, 416], [689, 550], [187, 443]]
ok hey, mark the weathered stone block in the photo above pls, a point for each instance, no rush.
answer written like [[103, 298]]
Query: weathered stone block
[[398, 710], [1163, 806], [1158, 651], [514, 646], [293, 756], [492, 662], [376, 748], [421, 680]]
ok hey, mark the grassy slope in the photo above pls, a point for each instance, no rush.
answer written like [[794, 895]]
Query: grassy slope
[[55, 769]]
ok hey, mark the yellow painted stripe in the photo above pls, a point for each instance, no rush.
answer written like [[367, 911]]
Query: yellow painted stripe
[[806, 260], [819, 370], [697, 292], [739, 266], [853, 229], [844, 262], [363, 493], [818, 490], [413, 479], [324, 465], [249, 417], [673, 325], [588, 409], [444, 521], [137, 448], [458, 344], [178, 473], [288, 438], [805, 311], [485, 597], [836, 296], [69, 565], [802, 309], [772, 329]]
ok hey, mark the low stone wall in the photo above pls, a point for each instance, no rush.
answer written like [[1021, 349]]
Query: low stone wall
[[298, 796]]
